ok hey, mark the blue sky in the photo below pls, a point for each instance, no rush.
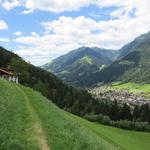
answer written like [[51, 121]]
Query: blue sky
[[41, 30]]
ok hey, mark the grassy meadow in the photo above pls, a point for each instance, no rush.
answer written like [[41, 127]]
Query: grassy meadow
[[28, 121], [143, 89]]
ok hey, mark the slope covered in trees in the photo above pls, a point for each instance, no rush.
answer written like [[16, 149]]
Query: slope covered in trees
[[133, 64], [74, 67], [87, 67]]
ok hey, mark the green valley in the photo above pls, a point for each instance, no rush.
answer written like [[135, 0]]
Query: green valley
[[74, 75], [28, 121], [132, 87]]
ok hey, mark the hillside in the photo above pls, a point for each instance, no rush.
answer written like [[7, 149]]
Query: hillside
[[71, 99], [75, 66], [66, 97], [28, 121], [132, 66], [87, 67], [31, 122], [125, 50]]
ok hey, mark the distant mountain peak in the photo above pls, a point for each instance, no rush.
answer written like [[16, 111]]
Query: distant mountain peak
[[80, 63]]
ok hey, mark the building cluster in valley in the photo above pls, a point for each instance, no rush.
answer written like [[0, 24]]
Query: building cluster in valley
[[122, 96]]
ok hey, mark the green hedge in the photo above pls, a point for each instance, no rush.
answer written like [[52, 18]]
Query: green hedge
[[124, 124]]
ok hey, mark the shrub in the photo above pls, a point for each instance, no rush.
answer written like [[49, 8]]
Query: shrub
[[124, 124]]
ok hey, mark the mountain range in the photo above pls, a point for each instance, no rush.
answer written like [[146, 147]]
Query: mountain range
[[132, 64], [81, 63], [88, 67]]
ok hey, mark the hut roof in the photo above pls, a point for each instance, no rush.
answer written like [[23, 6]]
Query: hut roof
[[5, 72]]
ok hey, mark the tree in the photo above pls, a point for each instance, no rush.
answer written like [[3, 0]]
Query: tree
[[125, 112], [136, 113], [114, 111], [145, 113]]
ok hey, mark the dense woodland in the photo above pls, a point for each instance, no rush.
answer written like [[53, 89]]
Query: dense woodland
[[121, 115], [76, 101]]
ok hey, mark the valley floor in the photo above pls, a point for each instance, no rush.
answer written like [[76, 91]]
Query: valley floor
[[28, 121]]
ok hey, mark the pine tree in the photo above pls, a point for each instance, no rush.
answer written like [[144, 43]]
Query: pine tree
[[125, 112]]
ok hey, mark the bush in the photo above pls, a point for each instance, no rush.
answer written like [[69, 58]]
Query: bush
[[124, 124]]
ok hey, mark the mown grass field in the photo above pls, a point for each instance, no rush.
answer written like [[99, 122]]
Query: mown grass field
[[135, 88], [28, 121], [126, 140]]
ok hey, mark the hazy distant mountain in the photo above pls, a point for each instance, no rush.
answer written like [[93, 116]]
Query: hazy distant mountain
[[77, 65], [133, 64], [125, 50]]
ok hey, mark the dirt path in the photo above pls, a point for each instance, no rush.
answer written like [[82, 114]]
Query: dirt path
[[37, 128]]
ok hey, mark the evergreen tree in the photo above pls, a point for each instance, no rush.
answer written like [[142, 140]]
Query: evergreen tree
[[145, 113], [114, 111], [125, 112], [136, 113]]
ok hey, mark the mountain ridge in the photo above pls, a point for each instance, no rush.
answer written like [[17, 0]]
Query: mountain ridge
[[132, 67], [124, 65], [70, 68]]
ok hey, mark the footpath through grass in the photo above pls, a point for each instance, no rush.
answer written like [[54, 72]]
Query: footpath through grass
[[27, 118]]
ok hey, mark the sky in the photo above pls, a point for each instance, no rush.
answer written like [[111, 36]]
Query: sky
[[41, 30]]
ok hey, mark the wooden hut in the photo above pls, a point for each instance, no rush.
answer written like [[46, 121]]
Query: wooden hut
[[8, 75]]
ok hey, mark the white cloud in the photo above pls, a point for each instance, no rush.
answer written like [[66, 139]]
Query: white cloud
[[57, 5], [18, 33], [73, 5], [128, 20], [66, 33], [3, 25], [27, 11], [10, 4], [4, 40]]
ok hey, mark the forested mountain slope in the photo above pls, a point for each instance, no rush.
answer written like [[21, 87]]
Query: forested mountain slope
[[75, 66], [133, 64]]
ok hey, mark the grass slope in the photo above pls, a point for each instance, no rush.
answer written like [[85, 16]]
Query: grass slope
[[123, 139], [28, 121], [132, 87]]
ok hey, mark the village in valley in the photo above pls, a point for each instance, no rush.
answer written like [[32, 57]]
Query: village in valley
[[121, 96]]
